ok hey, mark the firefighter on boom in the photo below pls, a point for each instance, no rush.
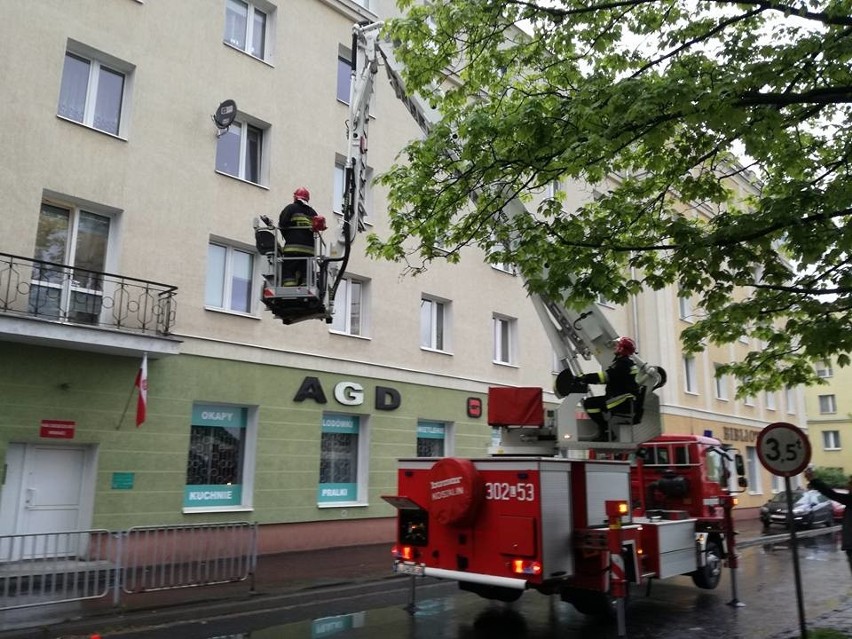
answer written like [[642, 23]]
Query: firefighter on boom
[[622, 389], [296, 225]]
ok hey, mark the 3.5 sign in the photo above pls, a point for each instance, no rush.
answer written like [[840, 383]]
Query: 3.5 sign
[[783, 449]]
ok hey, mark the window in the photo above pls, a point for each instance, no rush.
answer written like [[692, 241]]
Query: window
[[246, 28], [432, 439], [434, 324], [230, 274], [823, 369], [74, 237], [827, 404], [349, 307], [339, 185], [93, 90], [603, 301], [685, 308], [771, 402], [506, 267], [344, 74], [221, 449], [342, 460], [753, 470], [239, 152], [721, 384], [505, 329], [690, 383], [777, 483], [790, 400], [831, 439]]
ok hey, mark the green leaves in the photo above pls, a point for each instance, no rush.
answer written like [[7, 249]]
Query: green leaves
[[713, 136]]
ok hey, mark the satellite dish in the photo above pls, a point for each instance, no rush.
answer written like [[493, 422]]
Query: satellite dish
[[225, 114]]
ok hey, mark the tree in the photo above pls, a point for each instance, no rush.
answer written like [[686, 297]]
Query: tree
[[668, 105]]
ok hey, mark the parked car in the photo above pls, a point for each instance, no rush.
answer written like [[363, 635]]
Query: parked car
[[810, 508], [837, 507]]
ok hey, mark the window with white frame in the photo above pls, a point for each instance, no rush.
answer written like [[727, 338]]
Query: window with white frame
[[790, 400], [771, 400], [690, 381], [831, 439], [824, 370], [827, 405], [247, 27], [685, 307], [506, 267], [433, 439], [777, 484], [220, 463], [239, 151], [343, 461], [721, 384], [94, 89], [434, 323], [344, 74], [753, 470], [603, 301], [350, 305], [339, 187], [230, 278], [75, 237], [505, 338]]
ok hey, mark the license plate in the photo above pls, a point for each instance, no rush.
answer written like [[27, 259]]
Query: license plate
[[408, 569]]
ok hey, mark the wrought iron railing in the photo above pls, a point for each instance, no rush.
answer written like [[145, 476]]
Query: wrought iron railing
[[47, 290]]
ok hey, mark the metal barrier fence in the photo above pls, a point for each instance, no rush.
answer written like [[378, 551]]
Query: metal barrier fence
[[42, 568], [166, 557], [47, 568]]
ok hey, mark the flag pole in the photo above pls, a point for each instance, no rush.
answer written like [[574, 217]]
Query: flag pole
[[126, 406]]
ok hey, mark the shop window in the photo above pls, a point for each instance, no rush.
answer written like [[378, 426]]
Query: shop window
[[219, 453], [431, 439], [342, 460]]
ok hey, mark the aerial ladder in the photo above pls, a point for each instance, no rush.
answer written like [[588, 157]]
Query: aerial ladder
[[575, 335]]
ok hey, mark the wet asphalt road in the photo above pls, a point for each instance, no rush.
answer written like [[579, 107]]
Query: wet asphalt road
[[673, 608]]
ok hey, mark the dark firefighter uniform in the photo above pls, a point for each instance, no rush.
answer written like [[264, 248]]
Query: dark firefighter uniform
[[295, 223], [621, 387]]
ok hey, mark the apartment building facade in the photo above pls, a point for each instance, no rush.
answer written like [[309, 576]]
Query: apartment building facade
[[126, 218], [829, 410]]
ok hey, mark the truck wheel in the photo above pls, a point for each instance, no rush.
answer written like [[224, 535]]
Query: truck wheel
[[709, 575], [456, 491]]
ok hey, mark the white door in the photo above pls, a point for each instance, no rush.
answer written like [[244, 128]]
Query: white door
[[48, 489], [53, 489]]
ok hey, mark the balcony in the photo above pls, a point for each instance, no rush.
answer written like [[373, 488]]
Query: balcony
[[58, 305]]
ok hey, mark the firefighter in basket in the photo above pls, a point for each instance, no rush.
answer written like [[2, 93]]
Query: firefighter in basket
[[296, 224], [622, 389]]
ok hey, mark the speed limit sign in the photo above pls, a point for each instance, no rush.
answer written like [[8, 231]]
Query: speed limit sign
[[783, 449]]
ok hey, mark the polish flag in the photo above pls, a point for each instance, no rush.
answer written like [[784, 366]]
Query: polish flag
[[142, 385]]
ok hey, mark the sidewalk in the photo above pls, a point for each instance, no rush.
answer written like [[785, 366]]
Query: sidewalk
[[293, 574]]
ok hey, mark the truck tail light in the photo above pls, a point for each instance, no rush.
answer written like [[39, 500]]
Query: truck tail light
[[526, 567], [403, 552]]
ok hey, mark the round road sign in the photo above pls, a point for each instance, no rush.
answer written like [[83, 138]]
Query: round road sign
[[783, 449]]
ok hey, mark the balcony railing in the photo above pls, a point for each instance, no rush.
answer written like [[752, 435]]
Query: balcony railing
[[62, 293]]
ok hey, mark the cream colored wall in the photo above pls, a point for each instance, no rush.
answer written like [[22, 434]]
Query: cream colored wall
[[162, 181]]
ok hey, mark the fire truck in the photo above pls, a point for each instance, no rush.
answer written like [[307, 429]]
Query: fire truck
[[547, 509]]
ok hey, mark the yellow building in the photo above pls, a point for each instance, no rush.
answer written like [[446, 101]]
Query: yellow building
[[829, 410]]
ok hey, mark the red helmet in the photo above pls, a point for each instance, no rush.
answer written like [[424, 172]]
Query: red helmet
[[624, 346], [302, 194]]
